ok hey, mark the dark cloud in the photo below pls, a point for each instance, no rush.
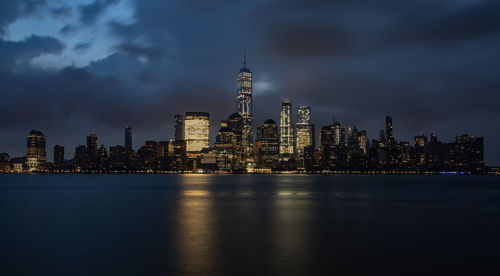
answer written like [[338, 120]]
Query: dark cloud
[[62, 11], [307, 38], [462, 23], [16, 54], [89, 13], [82, 46], [140, 51], [68, 29], [11, 10], [432, 65]]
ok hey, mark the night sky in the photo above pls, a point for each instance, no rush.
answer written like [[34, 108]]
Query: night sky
[[70, 68]]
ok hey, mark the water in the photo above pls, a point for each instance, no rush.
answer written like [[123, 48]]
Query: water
[[249, 225]]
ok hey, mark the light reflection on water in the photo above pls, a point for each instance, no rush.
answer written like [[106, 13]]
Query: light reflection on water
[[246, 224], [196, 242]]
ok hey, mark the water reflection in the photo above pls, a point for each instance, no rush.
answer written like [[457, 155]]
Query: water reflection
[[223, 226], [196, 243], [291, 228]]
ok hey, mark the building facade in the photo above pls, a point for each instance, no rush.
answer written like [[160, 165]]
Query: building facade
[[287, 148], [58, 155], [196, 132], [304, 133], [92, 151], [244, 106], [128, 137], [267, 145], [35, 150]]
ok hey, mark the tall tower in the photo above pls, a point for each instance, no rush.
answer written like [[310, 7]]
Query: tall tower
[[286, 130], [128, 137], [92, 152], [244, 108], [179, 126], [304, 130], [388, 130], [58, 155], [35, 150]]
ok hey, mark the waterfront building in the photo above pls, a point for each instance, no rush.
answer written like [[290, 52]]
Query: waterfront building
[[179, 127], [244, 106], [225, 143], [58, 155], [35, 150], [287, 147], [388, 130], [197, 133], [92, 152], [304, 133], [267, 145], [128, 137], [5, 166], [121, 158], [81, 159], [102, 158]]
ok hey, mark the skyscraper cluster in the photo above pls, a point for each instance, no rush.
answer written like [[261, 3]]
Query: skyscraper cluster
[[289, 145]]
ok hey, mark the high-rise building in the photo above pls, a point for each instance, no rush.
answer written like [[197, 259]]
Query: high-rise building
[[58, 155], [388, 130], [236, 123], [225, 144], [177, 149], [128, 137], [420, 140], [92, 151], [303, 115], [267, 145], [121, 158], [244, 108], [196, 132], [363, 142], [336, 133], [81, 156], [103, 158], [179, 127], [420, 152], [35, 150], [467, 153], [304, 133], [287, 148], [5, 162]]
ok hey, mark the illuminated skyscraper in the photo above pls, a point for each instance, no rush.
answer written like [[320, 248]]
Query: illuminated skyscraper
[[336, 133], [304, 132], [286, 130], [244, 108], [363, 142], [35, 150], [128, 137], [196, 132], [388, 130]]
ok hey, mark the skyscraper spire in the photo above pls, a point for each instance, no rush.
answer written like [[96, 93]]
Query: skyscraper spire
[[244, 56], [244, 108]]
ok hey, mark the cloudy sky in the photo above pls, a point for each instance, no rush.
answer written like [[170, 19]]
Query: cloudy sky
[[70, 68]]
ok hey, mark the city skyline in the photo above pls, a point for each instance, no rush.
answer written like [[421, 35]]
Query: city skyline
[[291, 148], [287, 146], [71, 68]]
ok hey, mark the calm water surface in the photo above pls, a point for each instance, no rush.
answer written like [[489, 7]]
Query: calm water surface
[[249, 225]]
